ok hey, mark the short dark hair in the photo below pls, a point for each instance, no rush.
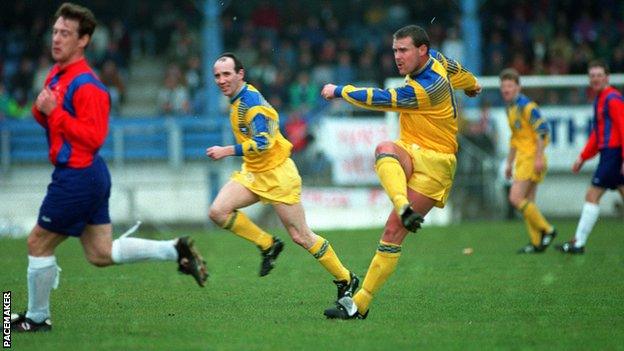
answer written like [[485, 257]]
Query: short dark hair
[[510, 74], [418, 34], [598, 63], [238, 65], [84, 16]]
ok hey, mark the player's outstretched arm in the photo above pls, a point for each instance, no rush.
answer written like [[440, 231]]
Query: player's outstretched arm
[[328, 91], [218, 152]]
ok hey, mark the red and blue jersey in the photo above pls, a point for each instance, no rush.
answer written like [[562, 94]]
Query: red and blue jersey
[[608, 131], [76, 129]]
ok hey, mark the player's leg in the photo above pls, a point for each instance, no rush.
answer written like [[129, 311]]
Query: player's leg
[[101, 250], [293, 218], [224, 212], [589, 217], [388, 252], [545, 229], [518, 198], [42, 274], [393, 165], [608, 175]]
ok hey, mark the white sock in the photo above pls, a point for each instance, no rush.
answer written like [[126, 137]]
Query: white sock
[[589, 216], [43, 274], [128, 250]]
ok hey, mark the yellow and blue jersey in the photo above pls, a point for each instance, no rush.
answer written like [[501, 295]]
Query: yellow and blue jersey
[[526, 124], [426, 103], [255, 124]]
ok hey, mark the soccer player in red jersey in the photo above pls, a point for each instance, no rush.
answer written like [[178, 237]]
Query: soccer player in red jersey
[[73, 108], [606, 138]]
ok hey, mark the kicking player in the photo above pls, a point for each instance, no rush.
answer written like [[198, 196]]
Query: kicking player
[[606, 138], [417, 170], [267, 175], [529, 136], [73, 108]]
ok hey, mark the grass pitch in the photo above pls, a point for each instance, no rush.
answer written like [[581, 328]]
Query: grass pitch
[[438, 298]]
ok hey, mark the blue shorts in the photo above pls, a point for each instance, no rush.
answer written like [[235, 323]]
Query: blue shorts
[[76, 197], [608, 174]]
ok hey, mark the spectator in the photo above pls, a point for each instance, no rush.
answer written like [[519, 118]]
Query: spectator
[[344, 71], [40, 74], [21, 82], [113, 80], [296, 130], [9, 108], [193, 75], [453, 46], [173, 97], [303, 93], [143, 38]]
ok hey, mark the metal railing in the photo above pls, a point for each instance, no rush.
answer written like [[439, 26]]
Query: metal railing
[[174, 140]]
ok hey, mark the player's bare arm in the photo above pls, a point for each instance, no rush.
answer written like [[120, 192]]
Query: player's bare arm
[[473, 92], [539, 164], [328, 91], [509, 164], [218, 152], [578, 164]]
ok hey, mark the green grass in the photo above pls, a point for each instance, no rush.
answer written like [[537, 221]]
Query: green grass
[[438, 298]]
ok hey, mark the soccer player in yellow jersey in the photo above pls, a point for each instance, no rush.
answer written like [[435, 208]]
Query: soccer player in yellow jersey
[[529, 137], [268, 175], [417, 170]]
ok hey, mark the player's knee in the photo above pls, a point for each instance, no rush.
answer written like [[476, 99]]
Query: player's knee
[[217, 215], [592, 197], [515, 200], [100, 259], [33, 244], [37, 243]]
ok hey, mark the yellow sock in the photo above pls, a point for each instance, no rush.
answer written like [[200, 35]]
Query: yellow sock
[[381, 267], [241, 225], [324, 253], [532, 214], [534, 235], [392, 178]]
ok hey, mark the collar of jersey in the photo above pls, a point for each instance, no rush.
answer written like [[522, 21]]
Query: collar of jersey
[[243, 89]]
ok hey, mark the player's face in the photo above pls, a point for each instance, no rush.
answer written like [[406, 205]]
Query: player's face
[[408, 57], [67, 46], [598, 79], [226, 78], [509, 90]]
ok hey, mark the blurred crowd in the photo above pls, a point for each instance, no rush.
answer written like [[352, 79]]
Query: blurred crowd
[[291, 48]]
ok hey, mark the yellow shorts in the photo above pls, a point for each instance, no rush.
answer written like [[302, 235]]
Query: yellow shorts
[[281, 184], [524, 168], [433, 172]]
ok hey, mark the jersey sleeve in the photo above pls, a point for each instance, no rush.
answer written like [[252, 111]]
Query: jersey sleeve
[[403, 99], [591, 148], [262, 130], [616, 110], [459, 76], [538, 122]]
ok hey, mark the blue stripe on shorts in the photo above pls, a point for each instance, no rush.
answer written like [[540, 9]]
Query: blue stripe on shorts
[[76, 197], [608, 173]]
